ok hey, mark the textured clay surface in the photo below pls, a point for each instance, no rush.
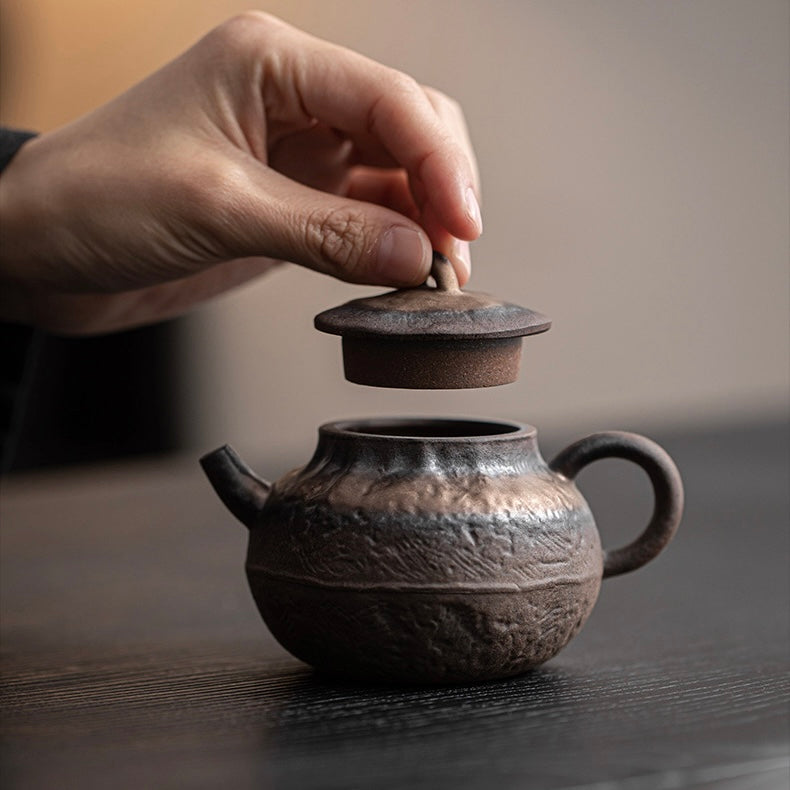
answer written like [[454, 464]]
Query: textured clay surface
[[425, 560], [412, 637], [431, 364]]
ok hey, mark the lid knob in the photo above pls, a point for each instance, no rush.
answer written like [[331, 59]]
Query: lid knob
[[442, 271]]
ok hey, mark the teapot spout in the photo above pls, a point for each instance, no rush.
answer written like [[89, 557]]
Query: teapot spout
[[239, 488]]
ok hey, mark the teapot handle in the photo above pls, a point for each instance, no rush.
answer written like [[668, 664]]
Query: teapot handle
[[667, 489]]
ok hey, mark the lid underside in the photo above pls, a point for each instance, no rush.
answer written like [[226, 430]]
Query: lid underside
[[433, 364]]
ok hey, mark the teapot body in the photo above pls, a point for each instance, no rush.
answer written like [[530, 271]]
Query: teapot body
[[422, 551]]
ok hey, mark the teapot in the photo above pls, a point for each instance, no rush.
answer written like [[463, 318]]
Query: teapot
[[434, 550]]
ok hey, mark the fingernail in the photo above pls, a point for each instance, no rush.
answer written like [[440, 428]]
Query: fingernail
[[473, 209], [403, 256], [463, 256]]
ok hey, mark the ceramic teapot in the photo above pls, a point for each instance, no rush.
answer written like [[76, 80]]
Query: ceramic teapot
[[434, 550]]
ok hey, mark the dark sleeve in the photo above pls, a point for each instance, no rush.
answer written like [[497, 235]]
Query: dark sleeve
[[11, 140], [18, 344]]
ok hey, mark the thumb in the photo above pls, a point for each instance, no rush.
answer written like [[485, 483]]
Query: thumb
[[349, 239]]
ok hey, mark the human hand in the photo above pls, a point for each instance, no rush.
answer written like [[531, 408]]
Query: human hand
[[259, 144]]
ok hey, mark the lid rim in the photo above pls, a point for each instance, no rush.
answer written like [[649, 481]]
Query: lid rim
[[368, 323], [455, 336]]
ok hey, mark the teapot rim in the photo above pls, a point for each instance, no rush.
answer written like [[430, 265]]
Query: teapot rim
[[449, 429]]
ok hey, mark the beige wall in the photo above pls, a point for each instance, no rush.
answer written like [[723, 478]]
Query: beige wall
[[634, 156]]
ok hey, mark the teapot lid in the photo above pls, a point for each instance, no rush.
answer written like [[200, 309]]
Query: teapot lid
[[431, 337]]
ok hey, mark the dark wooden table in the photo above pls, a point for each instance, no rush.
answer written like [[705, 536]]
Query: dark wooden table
[[133, 656]]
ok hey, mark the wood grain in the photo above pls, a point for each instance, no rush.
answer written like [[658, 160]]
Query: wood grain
[[133, 656]]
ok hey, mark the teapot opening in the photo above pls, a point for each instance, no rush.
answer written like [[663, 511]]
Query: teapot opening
[[430, 428]]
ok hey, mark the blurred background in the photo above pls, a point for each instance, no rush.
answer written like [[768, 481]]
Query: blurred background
[[634, 157]]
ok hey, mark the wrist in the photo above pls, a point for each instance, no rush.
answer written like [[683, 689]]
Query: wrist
[[18, 223]]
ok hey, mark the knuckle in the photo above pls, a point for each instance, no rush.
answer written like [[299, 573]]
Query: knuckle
[[241, 24], [209, 206], [245, 28], [453, 106], [403, 84], [339, 237], [447, 108], [212, 188], [398, 91], [439, 98]]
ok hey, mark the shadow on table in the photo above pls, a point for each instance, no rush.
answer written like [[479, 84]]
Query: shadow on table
[[331, 733]]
